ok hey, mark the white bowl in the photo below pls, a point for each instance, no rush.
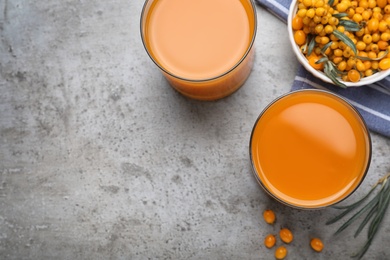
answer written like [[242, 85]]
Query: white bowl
[[319, 74]]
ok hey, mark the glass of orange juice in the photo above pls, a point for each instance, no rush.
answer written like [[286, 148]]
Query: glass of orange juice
[[203, 47], [310, 149]]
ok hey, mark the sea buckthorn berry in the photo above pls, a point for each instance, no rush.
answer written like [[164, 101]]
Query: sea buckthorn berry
[[366, 15], [280, 253], [351, 62], [324, 20], [333, 21], [371, 55], [341, 7], [381, 3], [342, 65], [319, 3], [368, 73], [297, 23], [299, 37], [357, 18], [324, 40], [353, 75], [374, 65], [387, 8], [360, 65], [367, 38], [313, 58], [286, 235], [310, 13], [337, 60], [360, 45], [385, 36], [328, 29], [374, 47], [338, 52], [367, 65], [384, 64], [376, 37], [269, 216], [318, 28], [269, 241], [359, 10], [373, 25], [302, 13], [307, 3], [377, 15], [363, 3], [316, 244], [383, 26], [320, 11], [371, 3], [383, 45]]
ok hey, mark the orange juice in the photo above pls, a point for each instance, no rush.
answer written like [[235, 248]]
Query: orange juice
[[310, 149], [203, 47]]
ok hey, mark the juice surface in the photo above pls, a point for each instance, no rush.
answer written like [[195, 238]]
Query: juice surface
[[310, 150], [199, 39]]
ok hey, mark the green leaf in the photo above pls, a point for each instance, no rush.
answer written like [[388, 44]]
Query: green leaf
[[350, 25], [369, 206], [330, 2], [344, 38], [311, 46], [340, 15], [331, 71], [326, 46], [323, 59]]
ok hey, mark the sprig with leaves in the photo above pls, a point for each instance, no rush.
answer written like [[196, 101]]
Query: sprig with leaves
[[374, 211], [330, 69]]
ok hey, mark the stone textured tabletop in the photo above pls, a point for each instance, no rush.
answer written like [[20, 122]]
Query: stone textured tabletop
[[101, 159]]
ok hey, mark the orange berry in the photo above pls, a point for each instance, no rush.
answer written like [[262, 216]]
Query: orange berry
[[269, 241], [286, 235], [353, 75], [269, 216], [313, 58], [280, 252], [316, 244], [384, 64], [299, 37], [297, 23]]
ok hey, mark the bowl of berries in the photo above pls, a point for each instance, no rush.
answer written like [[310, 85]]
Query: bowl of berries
[[343, 42]]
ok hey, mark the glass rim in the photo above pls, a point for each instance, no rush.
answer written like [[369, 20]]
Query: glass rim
[[240, 61], [368, 146]]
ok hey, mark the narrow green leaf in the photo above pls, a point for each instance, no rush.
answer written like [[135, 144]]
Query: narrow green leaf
[[357, 203], [365, 221], [311, 45], [326, 46], [350, 25], [369, 206], [340, 15], [323, 59], [330, 71], [345, 39], [330, 2]]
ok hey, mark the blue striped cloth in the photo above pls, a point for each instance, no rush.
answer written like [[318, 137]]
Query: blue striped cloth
[[372, 101]]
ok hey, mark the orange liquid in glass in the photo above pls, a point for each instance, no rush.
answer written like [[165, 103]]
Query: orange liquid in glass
[[310, 149], [201, 40]]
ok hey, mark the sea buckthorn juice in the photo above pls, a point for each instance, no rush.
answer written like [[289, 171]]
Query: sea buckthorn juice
[[310, 149], [203, 47]]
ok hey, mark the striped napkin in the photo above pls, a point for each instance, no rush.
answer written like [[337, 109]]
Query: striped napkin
[[372, 101]]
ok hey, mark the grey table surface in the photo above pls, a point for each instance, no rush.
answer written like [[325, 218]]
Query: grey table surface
[[101, 159]]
